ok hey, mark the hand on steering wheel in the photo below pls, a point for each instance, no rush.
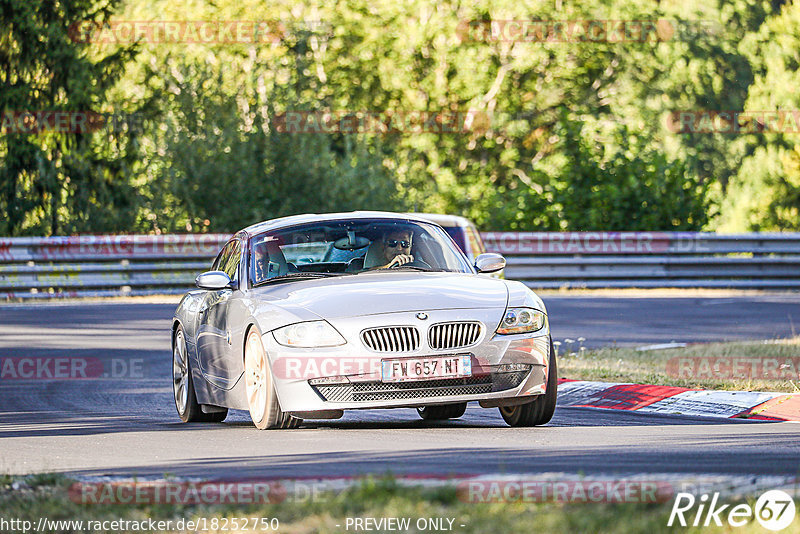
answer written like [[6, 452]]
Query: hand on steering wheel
[[414, 262], [400, 259]]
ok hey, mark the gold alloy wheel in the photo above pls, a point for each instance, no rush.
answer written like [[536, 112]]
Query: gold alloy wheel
[[265, 409], [258, 380]]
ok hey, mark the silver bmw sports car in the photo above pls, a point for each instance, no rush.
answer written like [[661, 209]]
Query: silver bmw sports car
[[304, 317]]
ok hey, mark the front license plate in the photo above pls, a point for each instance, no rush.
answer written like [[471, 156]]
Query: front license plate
[[426, 368]]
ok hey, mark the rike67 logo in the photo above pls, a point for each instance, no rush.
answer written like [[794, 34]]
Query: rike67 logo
[[774, 510]]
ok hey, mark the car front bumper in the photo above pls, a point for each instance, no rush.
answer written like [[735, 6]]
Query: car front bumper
[[348, 377]]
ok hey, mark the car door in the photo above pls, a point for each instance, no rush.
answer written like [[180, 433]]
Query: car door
[[215, 332]]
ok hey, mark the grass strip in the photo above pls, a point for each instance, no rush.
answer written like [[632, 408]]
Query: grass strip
[[30, 498], [736, 366]]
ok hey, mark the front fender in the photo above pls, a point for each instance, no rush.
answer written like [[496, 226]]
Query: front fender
[[264, 317], [520, 295]]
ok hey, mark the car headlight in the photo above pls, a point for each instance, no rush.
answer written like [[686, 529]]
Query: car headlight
[[521, 321], [308, 335]]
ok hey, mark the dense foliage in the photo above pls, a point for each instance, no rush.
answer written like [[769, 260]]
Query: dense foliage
[[50, 181], [566, 134]]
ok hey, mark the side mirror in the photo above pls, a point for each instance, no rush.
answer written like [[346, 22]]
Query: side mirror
[[213, 281], [490, 263]]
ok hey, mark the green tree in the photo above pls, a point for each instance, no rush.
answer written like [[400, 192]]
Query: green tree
[[225, 164], [512, 172], [765, 193], [56, 181], [566, 126], [633, 187]]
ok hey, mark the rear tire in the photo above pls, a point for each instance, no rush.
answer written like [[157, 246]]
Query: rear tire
[[540, 411], [446, 411], [265, 409], [183, 386]]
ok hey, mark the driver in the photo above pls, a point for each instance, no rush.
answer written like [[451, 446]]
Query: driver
[[397, 248]]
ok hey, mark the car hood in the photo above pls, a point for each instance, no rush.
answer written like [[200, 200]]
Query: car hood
[[386, 292]]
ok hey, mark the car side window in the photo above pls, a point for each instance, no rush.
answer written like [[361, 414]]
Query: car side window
[[222, 258], [233, 258], [458, 236]]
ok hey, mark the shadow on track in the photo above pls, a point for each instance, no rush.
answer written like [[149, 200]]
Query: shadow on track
[[155, 413], [471, 461]]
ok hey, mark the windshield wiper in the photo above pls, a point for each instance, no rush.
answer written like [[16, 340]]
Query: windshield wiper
[[297, 276]]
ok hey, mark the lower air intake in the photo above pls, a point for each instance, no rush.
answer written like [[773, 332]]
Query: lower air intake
[[420, 389]]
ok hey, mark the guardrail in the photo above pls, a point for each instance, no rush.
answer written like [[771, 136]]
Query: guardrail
[[98, 266], [83, 266], [650, 259]]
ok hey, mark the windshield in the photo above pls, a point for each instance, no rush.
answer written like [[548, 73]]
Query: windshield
[[352, 247]]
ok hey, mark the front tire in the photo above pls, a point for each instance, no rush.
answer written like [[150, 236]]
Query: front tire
[[265, 410], [183, 386], [540, 411], [439, 413]]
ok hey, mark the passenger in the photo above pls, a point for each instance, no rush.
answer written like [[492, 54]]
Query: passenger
[[261, 263]]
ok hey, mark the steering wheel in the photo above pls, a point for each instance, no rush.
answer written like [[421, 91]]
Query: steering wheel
[[416, 263]]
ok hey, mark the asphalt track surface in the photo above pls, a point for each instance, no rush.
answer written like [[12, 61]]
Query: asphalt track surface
[[127, 426]]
